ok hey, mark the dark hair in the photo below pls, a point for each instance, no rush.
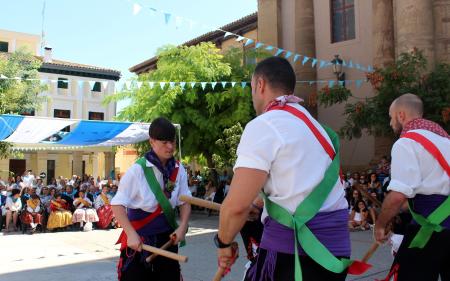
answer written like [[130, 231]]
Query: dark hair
[[356, 207], [15, 191], [162, 129], [278, 73]]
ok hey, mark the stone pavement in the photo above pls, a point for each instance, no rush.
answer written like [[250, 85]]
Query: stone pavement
[[86, 256]]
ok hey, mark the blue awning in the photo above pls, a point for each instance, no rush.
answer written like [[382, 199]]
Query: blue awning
[[8, 124], [93, 132]]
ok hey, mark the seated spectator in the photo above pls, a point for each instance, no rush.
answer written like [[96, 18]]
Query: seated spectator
[[32, 214], [356, 196], [102, 205], [60, 216], [13, 206], [25, 195], [374, 210], [358, 216], [3, 197], [70, 192], [113, 191], [84, 213], [374, 185]]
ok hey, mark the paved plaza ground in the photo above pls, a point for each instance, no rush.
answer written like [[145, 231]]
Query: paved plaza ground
[[86, 256]]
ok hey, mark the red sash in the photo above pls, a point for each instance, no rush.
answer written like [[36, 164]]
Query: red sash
[[431, 148]]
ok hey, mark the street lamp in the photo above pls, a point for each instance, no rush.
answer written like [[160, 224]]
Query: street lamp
[[337, 69]]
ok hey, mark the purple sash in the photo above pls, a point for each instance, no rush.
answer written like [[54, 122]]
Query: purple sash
[[426, 204], [330, 228], [156, 226]]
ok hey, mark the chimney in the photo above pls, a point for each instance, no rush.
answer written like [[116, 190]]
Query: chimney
[[48, 54]]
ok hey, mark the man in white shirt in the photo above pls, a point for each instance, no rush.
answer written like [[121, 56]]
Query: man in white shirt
[[420, 175], [144, 207], [287, 154]]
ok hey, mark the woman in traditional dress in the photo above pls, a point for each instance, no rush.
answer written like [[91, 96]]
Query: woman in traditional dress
[[60, 216], [103, 206], [84, 213]]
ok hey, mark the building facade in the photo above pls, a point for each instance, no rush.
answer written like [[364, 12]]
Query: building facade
[[74, 91]]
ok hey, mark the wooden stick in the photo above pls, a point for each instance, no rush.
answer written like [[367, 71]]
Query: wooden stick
[[164, 247], [200, 202], [165, 253], [221, 271], [370, 252]]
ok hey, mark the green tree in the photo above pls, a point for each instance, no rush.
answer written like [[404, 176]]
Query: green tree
[[202, 113], [17, 95], [226, 156], [407, 75]]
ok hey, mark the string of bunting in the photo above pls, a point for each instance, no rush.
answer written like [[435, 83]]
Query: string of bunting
[[303, 59], [129, 85]]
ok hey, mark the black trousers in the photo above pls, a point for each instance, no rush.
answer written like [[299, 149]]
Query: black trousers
[[424, 264], [285, 269], [133, 267]]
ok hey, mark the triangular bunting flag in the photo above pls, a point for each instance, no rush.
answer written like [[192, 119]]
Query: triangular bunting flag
[[288, 54], [127, 85], [344, 64], [224, 84], [358, 83], [296, 57], [91, 84], [203, 85], [193, 84], [313, 62], [105, 85], [178, 21], [322, 63], [233, 83], [249, 41], [227, 34], [311, 83], [151, 84], [171, 85], [341, 83], [350, 64], [162, 85], [182, 85], [259, 44], [240, 38], [331, 83], [243, 84], [269, 48], [167, 17], [279, 51], [213, 85], [369, 68], [305, 59], [139, 84], [136, 9], [3, 76]]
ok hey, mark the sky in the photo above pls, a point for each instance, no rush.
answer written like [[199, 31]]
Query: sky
[[106, 33]]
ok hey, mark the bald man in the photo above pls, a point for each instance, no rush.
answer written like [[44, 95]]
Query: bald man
[[420, 176]]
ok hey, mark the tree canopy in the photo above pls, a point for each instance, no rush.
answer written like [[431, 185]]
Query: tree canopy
[[16, 95], [203, 113], [407, 75]]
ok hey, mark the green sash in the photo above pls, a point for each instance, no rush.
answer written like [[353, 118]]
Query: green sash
[[307, 209], [429, 224], [155, 187]]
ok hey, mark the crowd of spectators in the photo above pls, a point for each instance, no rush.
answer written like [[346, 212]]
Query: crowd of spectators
[[78, 203]]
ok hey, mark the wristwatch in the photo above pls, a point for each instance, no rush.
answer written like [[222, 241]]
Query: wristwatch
[[220, 244]]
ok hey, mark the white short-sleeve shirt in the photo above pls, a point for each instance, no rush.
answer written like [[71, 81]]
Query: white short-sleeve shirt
[[415, 171], [135, 193], [282, 145]]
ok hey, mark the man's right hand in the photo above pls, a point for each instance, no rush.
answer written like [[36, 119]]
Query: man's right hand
[[134, 241]]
